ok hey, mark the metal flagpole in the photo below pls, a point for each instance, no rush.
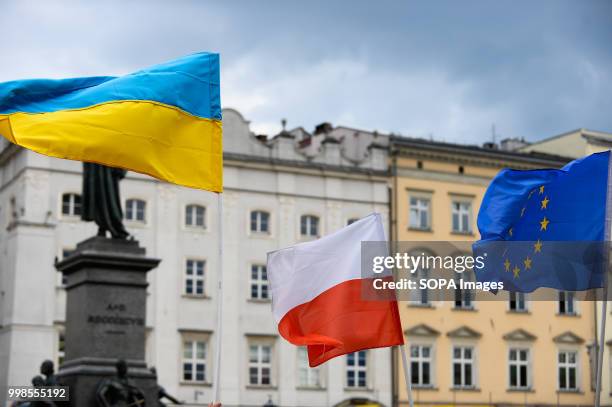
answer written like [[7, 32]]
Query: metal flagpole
[[407, 374], [604, 306], [219, 331]]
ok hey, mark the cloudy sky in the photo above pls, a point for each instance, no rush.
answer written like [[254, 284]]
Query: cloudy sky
[[444, 69]]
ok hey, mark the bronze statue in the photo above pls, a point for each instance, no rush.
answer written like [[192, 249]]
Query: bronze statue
[[48, 371], [118, 391], [101, 202], [49, 379], [161, 392]]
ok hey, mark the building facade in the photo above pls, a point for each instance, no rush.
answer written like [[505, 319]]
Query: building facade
[[513, 351], [290, 188]]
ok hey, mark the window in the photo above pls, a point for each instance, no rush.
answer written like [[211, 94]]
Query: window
[[420, 297], [464, 297], [309, 226], [194, 360], [567, 303], [194, 216], [65, 254], [567, 370], [260, 364], [71, 205], [419, 213], [517, 302], [194, 277], [260, 222], [135, 210], [420, 365], [463, 366], [356, 369], [351, 221], [307, 376], [61, 347], [259, 282], [519, 368], [462, 216]]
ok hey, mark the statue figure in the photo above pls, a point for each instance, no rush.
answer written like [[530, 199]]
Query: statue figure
[[118, 391], [100, 201], [48, 371], [161, 392], [49, 379]]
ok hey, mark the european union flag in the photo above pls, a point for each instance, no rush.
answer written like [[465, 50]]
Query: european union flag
[[546, 228]]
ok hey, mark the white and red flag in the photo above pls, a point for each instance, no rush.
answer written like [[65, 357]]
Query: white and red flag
[[319, 295]]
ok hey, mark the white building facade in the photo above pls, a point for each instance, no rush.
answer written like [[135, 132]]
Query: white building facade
[[279, 191]]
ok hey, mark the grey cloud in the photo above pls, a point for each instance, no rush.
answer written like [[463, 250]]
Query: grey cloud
[[444, 68]]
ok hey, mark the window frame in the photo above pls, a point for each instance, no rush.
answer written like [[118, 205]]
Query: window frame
[[420, 361], [135, 211], [259, 364], [464, 299], [194, 216], [470, 216], [574, 304], [302, 366], [62, 279], [517, 301], [428, 209], [194, 339], [463, 362], [356, 369], [194, 277], [72, 205], [566, 365], [60, 348], [259, 282], [258, 222], [518, 363], [308, 235], [421, 297]]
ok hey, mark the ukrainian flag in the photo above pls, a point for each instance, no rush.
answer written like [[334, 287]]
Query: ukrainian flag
[[164, 121]]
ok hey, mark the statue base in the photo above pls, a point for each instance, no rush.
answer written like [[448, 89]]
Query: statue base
[[106, 290]]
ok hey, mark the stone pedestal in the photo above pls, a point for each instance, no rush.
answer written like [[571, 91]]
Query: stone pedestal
[[106, 290]]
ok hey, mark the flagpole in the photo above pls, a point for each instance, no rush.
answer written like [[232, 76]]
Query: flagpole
[[604, 305], [219, 331], [407, 374]]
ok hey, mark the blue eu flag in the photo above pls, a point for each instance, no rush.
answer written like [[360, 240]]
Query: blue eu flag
[[546, 228]]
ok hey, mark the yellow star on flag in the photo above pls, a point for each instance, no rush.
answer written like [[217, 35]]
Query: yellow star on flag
[[510, 232], [537, 246], [527, 263], [516, 271], [507, 265], [544, 203], [544, 223], [541, 189]]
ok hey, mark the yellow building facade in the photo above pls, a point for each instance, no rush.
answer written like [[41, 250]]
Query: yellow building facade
[[510, 352]]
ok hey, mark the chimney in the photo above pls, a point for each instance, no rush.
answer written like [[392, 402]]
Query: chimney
[[323, 128], [513, 144]]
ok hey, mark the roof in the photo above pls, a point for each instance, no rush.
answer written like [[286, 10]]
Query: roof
[[583, 131], [532, 157]]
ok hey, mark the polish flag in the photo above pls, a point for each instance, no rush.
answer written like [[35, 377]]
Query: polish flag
[[320, 298]]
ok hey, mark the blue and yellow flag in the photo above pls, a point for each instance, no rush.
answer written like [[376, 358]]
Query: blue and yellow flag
[[546, 228], [164, 121]]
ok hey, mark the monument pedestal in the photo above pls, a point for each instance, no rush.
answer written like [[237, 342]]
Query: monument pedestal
[[106, 290]]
